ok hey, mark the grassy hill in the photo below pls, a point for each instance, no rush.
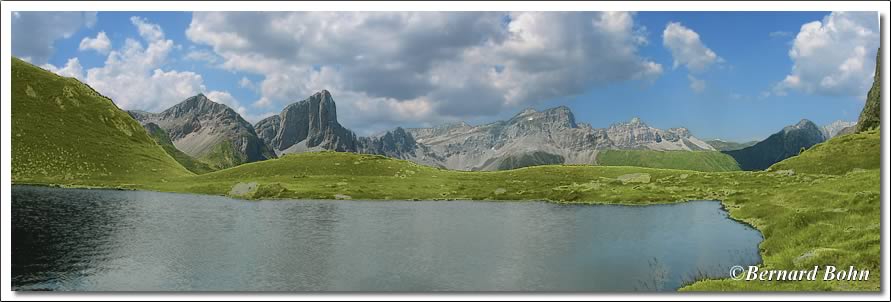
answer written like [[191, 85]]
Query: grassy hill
[[839, 155], [163, 139], [64, 132], [707, 161], [729, 146]]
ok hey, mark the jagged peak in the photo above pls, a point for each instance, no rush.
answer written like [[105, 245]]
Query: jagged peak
[[635, 120]]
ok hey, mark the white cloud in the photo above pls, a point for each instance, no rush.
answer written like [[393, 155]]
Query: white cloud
[[201, 55], [33, 33], [132, 75], [835, 56], [696, 85], [100, 43], [687, 49], [71, 69], [148, 31], [404, 67]]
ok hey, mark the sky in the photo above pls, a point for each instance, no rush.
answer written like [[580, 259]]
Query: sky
[[736, 76]]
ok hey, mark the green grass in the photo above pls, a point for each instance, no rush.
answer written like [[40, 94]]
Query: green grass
[[730, 146], [839, 155], [223, 155], [706, 161], [64, 132], [163, 139]]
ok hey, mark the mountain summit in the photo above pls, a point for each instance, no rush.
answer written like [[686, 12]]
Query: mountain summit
[[310, 124], [779, 146], [209, 131]]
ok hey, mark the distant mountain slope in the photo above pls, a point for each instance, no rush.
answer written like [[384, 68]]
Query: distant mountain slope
[[722, 145], [209, 132], [706, 161], [64, 132], [871, 116], [779, 146], [530, 138], [838, 155], [836, 128], [160, 136]]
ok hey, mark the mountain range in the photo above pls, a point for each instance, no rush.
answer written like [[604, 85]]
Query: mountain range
[[215, 134], [530, 138]]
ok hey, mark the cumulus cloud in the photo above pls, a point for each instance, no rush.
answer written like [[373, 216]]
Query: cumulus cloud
[[687, 48], [835, 56], [100, 43], [33, 33], [72, 68], [201, 55], [148, 31], [133, 77], [404, 67]]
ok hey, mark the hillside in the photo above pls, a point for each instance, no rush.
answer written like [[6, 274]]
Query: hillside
[[721, 145], [839, 155], [779, 146], [64, 132], [871, 116], [163, 139], [706, 161]]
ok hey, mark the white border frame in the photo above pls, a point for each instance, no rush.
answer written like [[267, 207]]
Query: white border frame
[[5, 116]]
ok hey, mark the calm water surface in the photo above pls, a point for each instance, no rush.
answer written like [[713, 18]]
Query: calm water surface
[[98, 240]]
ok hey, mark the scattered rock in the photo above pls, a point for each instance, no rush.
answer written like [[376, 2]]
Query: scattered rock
[[242, 189], [342, 197], [785, 172], [635, 178], [500, 191]]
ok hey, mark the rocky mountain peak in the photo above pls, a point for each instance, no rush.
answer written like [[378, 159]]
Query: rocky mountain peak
[[202, 128], [803, 124], [635, 121], [560, 116], [311, 122]]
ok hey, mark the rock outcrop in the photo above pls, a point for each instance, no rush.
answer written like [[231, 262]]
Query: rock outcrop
[[307, 125], [871, 116]]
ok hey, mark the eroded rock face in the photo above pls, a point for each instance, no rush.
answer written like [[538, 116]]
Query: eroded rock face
[[638, 135], [307, 125], [201, 128]]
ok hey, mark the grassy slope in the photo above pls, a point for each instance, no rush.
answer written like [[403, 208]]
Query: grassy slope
[[707, 161], [63, 132], [729, 146], [839, 155], [161, 138]]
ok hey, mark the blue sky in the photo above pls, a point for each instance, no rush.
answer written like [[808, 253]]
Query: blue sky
[[387, 70]]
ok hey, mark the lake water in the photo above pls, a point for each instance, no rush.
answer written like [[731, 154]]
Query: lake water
[[98, 240]]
